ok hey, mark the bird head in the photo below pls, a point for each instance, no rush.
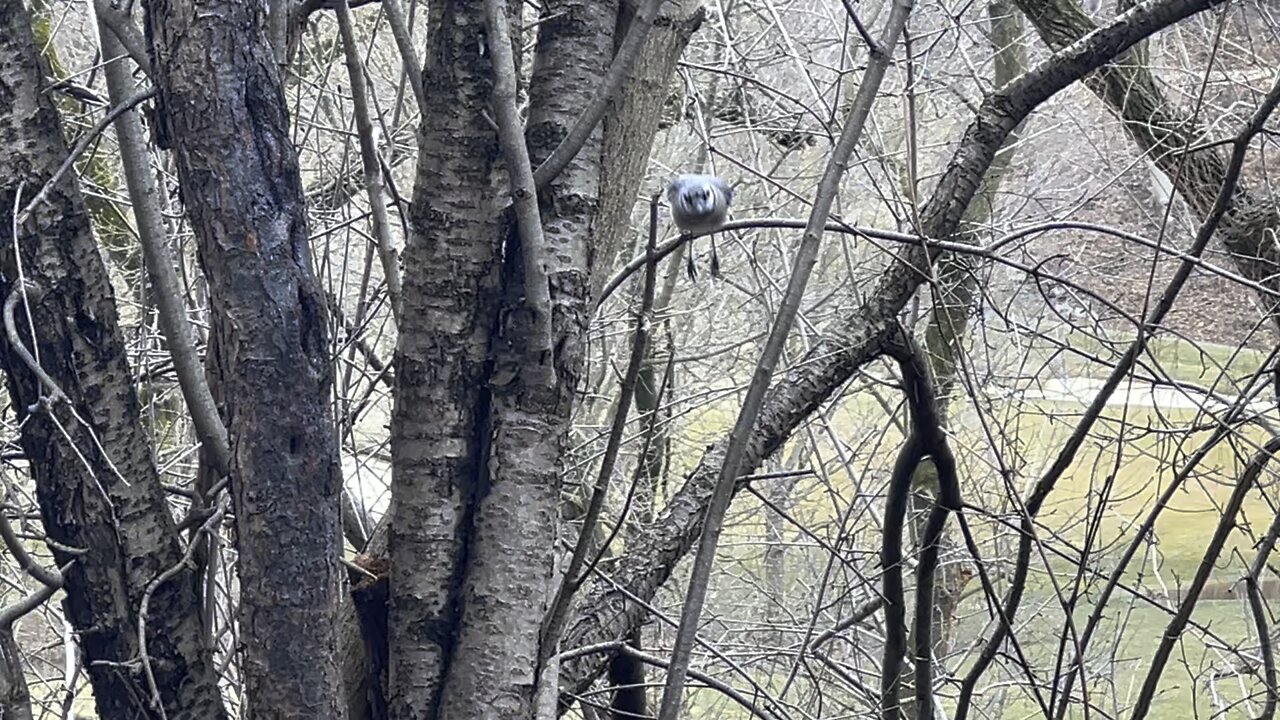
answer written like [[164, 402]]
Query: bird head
[[700, 198]]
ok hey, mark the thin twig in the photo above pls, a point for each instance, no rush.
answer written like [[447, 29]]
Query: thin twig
[[30, 289], [987, 251], [369, 158], [10, 614], [81, 145], [862, 30], [1260, 617], [184, 563], [859, 614], [1191, 594], [709, 681], [19, 551], [650, 432], [1122, 368], [408, 56], [1140, 535]]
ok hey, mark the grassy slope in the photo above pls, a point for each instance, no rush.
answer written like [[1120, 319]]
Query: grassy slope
[[1029, 434]]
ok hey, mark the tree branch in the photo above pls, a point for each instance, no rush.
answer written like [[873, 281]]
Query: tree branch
[[161, 266], [1126, 363], [122, 26], [927, 441], [524, 196], [609, 614], [369, 156], [1166, 133], [591, 115]]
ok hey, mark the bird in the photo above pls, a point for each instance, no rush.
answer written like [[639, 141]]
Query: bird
[[699, 203]]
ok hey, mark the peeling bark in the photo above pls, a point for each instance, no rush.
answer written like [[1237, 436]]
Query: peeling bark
[[96, 480]]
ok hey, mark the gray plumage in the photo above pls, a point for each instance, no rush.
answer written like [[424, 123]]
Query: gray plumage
[[699, 203]]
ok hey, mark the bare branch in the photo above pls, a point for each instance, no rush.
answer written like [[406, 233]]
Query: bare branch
[[408, 56], [19, 551], [122, 26], [162, 267], [591, 115], [81, 145], [369, 157], [26, 292], [1067, 454], [1261, 626], [524, 196], [609, 613], [709, 681], [927, 441]]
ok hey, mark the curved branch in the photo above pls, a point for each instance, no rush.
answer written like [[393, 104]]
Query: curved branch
[[927, 439], [988, 251], [80, 147]]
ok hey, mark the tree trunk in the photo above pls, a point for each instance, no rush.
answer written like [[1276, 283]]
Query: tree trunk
[[223, 111], [451, 284], [442, 424], [632, 122], [96, 480], [510, 568]]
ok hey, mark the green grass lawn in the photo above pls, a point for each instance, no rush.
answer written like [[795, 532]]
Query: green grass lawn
[[1199, 681]]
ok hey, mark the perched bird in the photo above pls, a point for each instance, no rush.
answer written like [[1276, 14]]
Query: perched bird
[[699, 203]]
